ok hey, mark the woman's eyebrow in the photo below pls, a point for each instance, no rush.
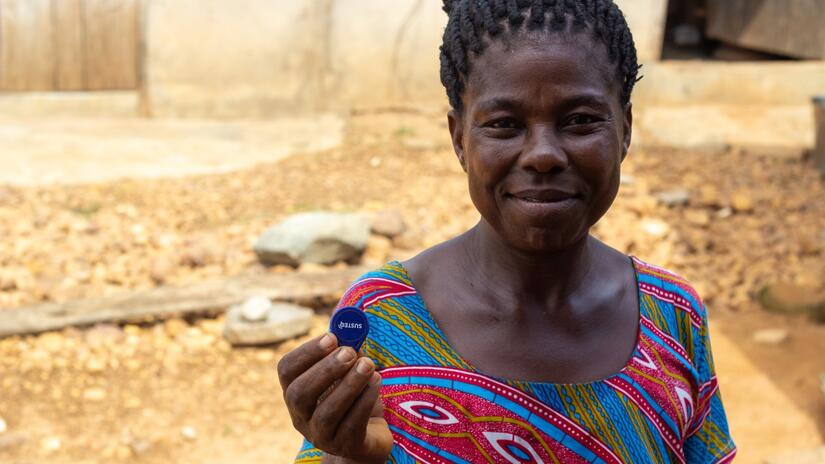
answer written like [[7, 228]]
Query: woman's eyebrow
[[587, 100], [498, 103]]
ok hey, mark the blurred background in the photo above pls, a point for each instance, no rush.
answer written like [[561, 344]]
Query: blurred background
[[187, 187]]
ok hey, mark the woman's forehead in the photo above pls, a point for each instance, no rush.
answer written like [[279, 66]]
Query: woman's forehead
[[541, 64]]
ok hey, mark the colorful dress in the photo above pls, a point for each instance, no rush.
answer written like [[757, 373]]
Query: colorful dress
[[664, 406]]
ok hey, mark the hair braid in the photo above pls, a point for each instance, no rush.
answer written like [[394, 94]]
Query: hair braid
[[473, 23]]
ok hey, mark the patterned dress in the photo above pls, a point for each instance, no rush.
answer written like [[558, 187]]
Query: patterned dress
[[664, 406]]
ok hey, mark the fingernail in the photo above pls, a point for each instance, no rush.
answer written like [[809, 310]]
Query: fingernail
[[326, 342], [376, 379], [364, 366], [345, 355]]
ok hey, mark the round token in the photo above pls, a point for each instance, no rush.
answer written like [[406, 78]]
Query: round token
[[351, 327]]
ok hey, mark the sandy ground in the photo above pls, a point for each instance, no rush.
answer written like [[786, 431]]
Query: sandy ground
[[177, 393]]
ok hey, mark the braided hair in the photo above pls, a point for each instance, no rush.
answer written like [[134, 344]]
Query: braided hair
[[473, 23]]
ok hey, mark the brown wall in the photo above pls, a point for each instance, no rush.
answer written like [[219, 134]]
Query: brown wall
[[69, 44]]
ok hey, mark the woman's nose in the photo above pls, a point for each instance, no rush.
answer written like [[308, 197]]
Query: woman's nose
[[543, 152]]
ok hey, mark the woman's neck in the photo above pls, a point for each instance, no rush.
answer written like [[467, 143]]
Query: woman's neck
[[522, 280]]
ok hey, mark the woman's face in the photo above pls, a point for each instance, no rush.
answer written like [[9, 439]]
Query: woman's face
[[541, 137]]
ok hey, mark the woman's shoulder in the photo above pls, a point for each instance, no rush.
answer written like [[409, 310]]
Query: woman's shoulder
[[388, 281], [668, 287]]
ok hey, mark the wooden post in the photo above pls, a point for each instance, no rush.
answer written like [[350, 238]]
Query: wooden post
[[819, 118]]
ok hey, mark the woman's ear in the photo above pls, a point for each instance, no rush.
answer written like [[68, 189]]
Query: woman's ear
[[628, 129], [456, 124]]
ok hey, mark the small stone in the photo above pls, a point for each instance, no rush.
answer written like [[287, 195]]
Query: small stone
[[94, 394], [771, 336], [627, 179], [709, 196], [419, 143], [104, 334], [265, 356], [140, 446], [809, 246], [161, 269], [378, 249], [188, 432], [3, 426], [95, 365], [51, 444], [11, 440], [672, 198], [51, 341], [123, 452], [255, 308], [724, 213], [375, 161], [698, 217], [793, 299], [318, 237], [388, 223], [200, 253], [175, 327], [742, 201], [655, 227], [283, 322]]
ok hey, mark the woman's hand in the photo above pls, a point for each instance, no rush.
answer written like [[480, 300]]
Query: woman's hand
[[333, 399]]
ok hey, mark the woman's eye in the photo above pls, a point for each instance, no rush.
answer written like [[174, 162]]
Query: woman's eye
[[582, 119], [504, 123]]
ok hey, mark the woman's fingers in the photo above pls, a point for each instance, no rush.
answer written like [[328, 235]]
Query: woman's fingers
[[351, 434], [299, 360], [338, 403], [303, 393]]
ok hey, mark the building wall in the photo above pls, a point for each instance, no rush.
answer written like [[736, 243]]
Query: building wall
[[250, 58]]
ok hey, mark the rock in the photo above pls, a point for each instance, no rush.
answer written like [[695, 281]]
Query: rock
[[790, 298], [388, 223], [378, 249], [188, 432], [319, 237], [627, 179], [200, 253], [283, 321], [419, 143], [771, 336], [3, 426], [51, 444], [809, 246], [742, 201], [11, 440], [140, 446], [94, 394], [724, 213], [255, 308], [672, 198], [104, 334], [175, 327], [16, 278], [95, 365], [813, 456], [655, 227], [709, 196], [699, 217], [161, 269]]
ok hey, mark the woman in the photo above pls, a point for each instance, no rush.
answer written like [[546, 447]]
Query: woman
[[525, 339]]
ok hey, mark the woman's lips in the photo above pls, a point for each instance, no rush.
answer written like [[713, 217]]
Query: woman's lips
[[548, 203]]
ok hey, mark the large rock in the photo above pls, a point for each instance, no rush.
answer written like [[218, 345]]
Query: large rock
[[790, 299], [318, 237], [283, 321]]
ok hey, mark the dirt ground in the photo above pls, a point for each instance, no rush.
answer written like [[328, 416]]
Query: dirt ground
[[175, 392]]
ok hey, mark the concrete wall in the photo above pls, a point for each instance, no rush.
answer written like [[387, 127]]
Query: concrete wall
[[250, 58]]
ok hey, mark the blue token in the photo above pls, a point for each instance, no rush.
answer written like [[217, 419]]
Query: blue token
[[351, 327]]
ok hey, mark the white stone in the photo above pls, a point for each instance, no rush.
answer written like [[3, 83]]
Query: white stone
[[655, 227], [188, 432], [255, 308], [283, 322], [3, 426], [51, 443], [771, 336]]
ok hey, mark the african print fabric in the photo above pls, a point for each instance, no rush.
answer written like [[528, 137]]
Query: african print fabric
[[664, 406]]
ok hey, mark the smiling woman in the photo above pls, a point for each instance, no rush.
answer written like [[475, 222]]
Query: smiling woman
[[524, 339]]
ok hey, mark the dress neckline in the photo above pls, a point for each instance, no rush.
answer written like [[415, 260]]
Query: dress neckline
[[472, 368]]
